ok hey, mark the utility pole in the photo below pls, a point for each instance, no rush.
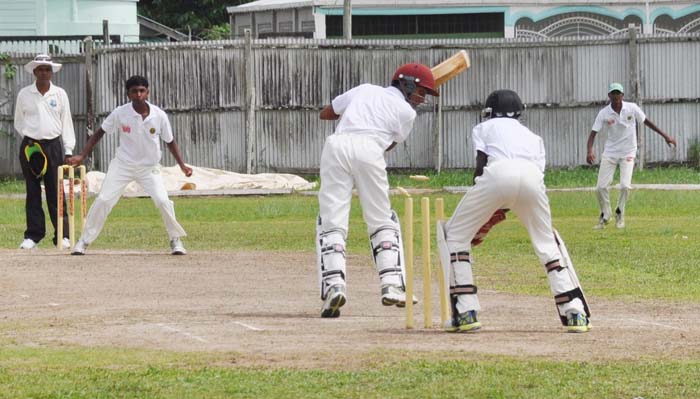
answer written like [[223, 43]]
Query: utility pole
[[347, 19]]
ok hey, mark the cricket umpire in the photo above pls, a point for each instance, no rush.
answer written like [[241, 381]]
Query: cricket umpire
[[43, 119]]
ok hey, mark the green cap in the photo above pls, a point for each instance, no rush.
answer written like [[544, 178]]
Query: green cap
[[616, 86]]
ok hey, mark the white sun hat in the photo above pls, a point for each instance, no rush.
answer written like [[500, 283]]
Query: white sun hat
[[42, 59]]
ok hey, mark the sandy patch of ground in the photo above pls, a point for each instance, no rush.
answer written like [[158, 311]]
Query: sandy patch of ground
[[264, 307]]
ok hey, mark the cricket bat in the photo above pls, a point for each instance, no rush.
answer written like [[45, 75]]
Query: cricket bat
[[451, 67]]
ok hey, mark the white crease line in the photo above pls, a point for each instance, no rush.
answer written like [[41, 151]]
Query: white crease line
[[23, 296], [657, 324], [185, 333], [248, 326], [640, 322], [53, 304]]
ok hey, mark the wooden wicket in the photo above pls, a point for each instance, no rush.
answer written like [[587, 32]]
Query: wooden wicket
[[71, 203]]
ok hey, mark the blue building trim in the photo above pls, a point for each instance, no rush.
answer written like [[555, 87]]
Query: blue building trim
[[572, 9], [675, 14]]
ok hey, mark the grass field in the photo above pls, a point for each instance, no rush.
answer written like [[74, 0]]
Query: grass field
[[654, 259]]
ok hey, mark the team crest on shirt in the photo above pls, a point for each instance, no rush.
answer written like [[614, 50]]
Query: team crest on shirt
[[126, 128], [611, 121], [152, 130], [53, 103], [629, 117]]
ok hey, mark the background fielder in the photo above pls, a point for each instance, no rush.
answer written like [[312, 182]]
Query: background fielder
[[509, 175], [620, 120], [140, 125], [372, 120]]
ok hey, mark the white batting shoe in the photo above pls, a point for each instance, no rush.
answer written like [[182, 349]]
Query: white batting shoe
[[176, 247], [28, 243], [335, 299], [394, 295]]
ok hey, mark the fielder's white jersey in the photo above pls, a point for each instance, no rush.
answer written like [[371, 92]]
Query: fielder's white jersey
[[507, 138], [45, 117], [375, 110], [139, 139], [622, 129]]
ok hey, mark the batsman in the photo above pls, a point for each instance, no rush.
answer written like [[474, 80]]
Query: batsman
[[372, 120], [509, 175]]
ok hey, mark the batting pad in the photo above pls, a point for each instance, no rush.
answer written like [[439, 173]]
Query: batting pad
[[568, 265], [330, 257], [387, 249]]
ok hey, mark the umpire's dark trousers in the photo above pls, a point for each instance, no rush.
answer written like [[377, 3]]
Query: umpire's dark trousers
[[36, 220]]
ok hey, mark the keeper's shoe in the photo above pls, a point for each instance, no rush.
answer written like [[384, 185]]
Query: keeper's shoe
[[577, 323], [79, 248], [464, 322], [335, 299], [177, 247], [394, 295]]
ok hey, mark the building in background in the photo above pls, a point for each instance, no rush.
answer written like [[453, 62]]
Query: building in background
[[463, 18], [59, 26], [68, 18]]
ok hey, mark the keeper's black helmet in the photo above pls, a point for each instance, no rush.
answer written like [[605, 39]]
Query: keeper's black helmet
[[503, 104]]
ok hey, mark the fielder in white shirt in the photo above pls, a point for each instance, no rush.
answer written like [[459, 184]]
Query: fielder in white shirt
[[620, 120], [140, 126], [509, 175], [373, 120], [43, 119]]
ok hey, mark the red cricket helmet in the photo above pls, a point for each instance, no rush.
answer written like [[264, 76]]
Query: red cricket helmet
[[418, 73]]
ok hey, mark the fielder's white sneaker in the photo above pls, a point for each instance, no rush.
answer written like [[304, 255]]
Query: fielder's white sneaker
[[335, 299], [28, 243], [601, 224], [619, 220], [176, 247], [79, 248], [65, 243]]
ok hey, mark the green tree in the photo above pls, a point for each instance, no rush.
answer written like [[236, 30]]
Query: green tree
[[206, 19]]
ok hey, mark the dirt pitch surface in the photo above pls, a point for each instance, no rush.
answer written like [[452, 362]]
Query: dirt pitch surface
[[263, 308]]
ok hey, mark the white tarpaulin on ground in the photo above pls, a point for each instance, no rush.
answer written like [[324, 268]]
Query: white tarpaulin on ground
[[212, 179]]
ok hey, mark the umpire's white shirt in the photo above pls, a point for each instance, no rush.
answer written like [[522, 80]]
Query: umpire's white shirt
[[45, 117], [139, 139], [622, 129], [379, 111], [507, 138]]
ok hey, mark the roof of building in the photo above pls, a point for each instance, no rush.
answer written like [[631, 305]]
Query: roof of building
[[264, 5]]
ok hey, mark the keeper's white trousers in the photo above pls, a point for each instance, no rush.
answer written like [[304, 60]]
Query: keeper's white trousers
[[354, 159], [117, 178], [519, 186], [605, 177]]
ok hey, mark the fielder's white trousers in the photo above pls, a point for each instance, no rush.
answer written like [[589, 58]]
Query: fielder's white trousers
[[605, 177], [117, 178], [519, 186]]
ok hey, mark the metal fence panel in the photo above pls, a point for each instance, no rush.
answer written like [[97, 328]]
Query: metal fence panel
[[202, 87]]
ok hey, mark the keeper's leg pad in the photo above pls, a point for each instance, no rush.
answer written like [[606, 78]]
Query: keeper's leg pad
[[456, 282], [330, 258], [387, 251], [565, 264]]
